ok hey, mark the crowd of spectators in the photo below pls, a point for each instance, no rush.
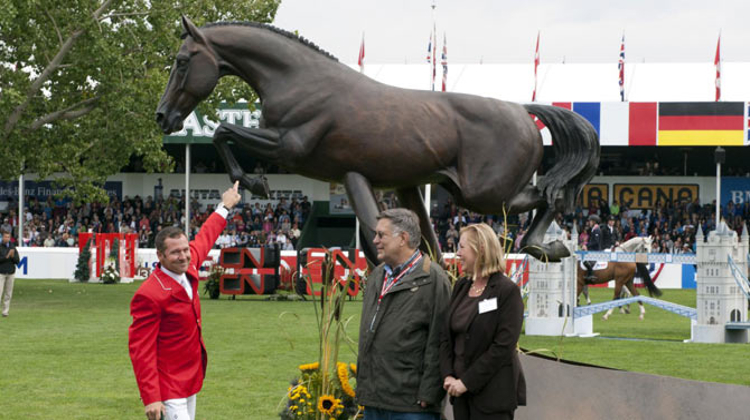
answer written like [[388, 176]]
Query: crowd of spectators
[[672, 225], [57, 223]]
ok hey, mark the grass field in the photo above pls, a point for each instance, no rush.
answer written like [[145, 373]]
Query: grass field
[[63, 351]]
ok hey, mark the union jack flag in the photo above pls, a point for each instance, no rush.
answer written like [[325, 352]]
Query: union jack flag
[[621, 69], [429, 50], [444, 61]]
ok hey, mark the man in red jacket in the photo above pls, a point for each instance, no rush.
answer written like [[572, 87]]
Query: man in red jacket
[[166, 346]]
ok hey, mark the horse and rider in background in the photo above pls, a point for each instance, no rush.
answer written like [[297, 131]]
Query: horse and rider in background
[[623, 273]]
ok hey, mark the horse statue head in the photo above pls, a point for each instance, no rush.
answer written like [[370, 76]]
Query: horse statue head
[[193, 77]]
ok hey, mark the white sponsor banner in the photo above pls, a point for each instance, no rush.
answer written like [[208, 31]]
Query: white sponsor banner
[[60, 263]]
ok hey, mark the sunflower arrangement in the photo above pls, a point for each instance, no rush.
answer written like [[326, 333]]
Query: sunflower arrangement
[[324, 390]]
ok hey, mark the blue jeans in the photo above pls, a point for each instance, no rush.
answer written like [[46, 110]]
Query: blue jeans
[[372, 413]]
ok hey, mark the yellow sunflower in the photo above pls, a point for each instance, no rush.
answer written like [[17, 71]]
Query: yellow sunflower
[[343, 375], [329, 405], [353, 368], [309, 366]]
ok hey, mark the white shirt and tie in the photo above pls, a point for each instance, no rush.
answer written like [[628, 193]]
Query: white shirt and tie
[[182, 279]]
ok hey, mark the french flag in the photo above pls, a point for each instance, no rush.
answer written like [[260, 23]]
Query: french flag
[[617, 123]]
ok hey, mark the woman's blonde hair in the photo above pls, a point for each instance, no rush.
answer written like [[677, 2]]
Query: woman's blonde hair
[[483, 241]]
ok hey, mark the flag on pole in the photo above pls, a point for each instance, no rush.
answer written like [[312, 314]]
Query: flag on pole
[[536, 65], [434, 56], [621, 68], [361, 58], [717, 64], [429, 50], [444, 61]]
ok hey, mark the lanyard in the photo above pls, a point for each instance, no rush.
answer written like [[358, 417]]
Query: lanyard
[[388, 286]]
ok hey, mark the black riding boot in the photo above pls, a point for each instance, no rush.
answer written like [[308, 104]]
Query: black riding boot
[[590, 277]]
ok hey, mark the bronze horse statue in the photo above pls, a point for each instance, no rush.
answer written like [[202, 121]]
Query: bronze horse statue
[[325, 121]]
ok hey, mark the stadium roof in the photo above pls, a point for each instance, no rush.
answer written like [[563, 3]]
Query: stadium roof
[[644, 82]]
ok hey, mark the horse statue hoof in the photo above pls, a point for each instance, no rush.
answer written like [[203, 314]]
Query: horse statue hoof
[[640, 317], [257, 186], [550, 252], [604, 317]]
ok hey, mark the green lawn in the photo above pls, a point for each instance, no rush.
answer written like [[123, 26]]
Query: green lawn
[[663, 354], [63, 351]]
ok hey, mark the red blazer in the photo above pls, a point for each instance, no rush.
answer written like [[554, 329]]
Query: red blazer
[[166, 346]]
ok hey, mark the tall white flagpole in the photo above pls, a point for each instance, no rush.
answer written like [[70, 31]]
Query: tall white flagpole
[[428, 187], [361, 62]]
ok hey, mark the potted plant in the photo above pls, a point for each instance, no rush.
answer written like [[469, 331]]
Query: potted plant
[[212, 284]]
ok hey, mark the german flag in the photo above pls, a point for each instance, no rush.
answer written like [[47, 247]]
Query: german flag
[[701, 124]]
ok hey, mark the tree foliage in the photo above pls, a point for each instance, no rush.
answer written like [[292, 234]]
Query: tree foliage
[[80, 81]]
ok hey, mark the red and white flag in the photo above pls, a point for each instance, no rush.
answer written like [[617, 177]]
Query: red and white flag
[[536, 66], [444, 61], [361, 58], [717, 64], [621, 68]]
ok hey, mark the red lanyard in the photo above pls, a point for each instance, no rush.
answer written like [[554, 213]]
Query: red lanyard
[[388, 286]]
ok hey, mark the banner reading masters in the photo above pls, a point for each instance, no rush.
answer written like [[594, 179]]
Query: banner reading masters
[[645, 196]]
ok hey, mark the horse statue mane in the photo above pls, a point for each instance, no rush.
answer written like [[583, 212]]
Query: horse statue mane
[[302, 40]]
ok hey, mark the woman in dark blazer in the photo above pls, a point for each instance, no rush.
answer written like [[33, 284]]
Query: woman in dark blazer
[[478, 357]]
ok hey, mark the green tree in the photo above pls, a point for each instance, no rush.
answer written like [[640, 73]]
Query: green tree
[[83, 270], [80, 81]]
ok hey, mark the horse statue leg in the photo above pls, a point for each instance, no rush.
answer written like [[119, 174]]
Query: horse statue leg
[[260, 142], [362, 199], [411, 198], [532, 243]]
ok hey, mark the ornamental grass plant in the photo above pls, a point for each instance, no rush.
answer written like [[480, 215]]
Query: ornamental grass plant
[[323, 390]]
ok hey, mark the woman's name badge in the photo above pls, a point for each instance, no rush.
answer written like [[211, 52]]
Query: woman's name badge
[[487, 305]]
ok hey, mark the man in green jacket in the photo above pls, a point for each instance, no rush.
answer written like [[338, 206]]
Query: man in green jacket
[[406, 296]]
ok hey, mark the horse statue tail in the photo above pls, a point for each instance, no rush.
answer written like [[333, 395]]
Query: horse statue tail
[[644, 274], [577, 151]]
